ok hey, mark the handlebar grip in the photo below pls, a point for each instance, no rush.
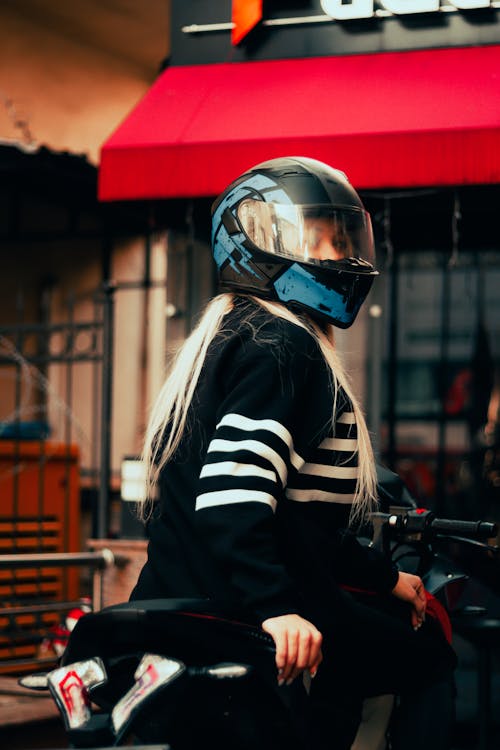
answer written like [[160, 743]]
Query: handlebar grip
[[477, 529]]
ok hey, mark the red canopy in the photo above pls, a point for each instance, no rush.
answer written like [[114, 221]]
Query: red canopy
[[398, 119]]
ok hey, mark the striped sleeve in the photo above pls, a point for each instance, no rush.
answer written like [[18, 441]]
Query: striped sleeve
[[331, 473], [250, 457], [247, 460]]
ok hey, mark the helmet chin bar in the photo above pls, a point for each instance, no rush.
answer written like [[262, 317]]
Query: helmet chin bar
[[334, 298], [356, 295], [337, 301]]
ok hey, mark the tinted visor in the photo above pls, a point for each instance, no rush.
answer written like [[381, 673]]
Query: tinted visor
[[310, 233]]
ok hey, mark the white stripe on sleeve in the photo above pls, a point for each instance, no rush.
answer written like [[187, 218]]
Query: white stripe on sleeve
[[249, 425], [332, 472], [347, 418], [231, 497], [308, 496], [234, 469], [339, 444], [253, 446]]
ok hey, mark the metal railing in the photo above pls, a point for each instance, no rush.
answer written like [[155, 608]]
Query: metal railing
[[99, 561]]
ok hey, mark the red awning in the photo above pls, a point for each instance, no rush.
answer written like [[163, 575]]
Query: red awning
[[398, 119]]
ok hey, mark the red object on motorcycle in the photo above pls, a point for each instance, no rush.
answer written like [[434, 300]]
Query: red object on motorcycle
[[435, 609]]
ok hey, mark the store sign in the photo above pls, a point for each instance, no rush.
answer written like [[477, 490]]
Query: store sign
[[341, 10], [247, 14], [258, 30]]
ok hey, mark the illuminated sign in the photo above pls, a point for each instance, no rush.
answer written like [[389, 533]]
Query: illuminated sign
[[247, 14], [341, 10]]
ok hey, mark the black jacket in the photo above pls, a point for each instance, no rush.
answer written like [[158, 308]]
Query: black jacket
[[254, 506]]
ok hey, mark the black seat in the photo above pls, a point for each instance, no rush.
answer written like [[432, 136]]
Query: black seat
[[193, 630]]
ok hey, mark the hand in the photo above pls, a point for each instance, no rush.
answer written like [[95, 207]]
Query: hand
[[410, 588], [298, 646]]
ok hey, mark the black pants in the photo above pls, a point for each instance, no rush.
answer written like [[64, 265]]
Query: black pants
[[422, 718], [370, 648]]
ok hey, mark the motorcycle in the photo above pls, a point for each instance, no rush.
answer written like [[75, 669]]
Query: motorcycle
[[117, 680], [134, 671]]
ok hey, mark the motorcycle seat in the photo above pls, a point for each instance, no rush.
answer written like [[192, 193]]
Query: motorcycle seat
[[195, 630]]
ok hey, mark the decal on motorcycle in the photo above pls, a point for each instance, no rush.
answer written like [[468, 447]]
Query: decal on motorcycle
[[153, 673], [70, 689]]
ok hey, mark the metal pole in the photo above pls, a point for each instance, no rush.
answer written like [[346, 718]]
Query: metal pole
[[190, 292], [375, 353], [97, 590], [142, 401], [40, 608], [392, 374], [106, 410], [440, 499], [100, 559]]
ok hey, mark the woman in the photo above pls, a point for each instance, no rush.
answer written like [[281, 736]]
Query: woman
[[263, 458]]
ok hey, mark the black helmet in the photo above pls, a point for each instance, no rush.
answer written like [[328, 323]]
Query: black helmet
[[294, 230]]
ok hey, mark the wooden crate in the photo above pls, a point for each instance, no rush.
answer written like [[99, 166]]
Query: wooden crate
[[39, 512]]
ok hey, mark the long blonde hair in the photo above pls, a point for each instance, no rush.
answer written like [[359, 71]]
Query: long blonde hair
[[168, 419]]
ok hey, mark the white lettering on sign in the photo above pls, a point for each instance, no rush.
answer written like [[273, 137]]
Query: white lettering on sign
[[343, 11], [398, 7], [470, 4]]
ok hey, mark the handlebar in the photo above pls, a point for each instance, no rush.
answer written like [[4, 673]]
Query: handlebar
[[422, 522], [474, 529]]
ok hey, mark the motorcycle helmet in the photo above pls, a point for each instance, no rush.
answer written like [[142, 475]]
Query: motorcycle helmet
[[294, 230]]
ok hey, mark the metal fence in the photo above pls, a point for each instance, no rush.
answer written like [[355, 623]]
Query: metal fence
[[55, 401]]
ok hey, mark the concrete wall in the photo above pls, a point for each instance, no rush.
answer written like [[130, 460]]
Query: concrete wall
[[71, 88]]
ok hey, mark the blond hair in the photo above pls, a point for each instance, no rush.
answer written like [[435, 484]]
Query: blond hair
[[168, 419]]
